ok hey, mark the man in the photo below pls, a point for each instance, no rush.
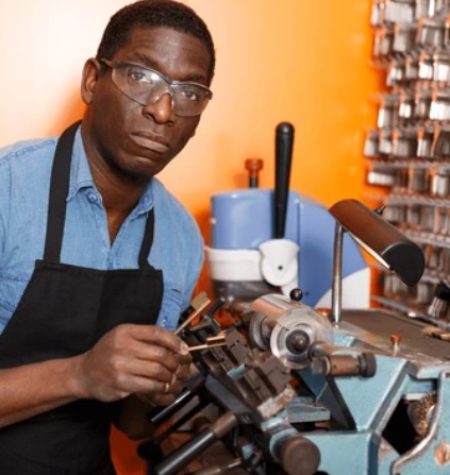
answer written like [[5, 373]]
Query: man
[[97, 259]]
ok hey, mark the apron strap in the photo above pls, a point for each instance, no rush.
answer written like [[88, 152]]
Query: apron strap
[[147, 241], [59, 189]]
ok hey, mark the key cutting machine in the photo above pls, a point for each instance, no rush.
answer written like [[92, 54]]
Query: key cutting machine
[[299, 392], [284, 388]]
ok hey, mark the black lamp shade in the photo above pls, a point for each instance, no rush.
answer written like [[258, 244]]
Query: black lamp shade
[[380, 238]]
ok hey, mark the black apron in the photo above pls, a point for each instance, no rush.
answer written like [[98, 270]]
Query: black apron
[[64, 310]]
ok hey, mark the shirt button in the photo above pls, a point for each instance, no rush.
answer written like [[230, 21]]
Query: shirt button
[[92, 198]]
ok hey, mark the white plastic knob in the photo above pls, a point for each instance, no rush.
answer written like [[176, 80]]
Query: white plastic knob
[[279, 263]]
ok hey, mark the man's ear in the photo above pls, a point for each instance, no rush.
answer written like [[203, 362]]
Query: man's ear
[[91, 74]]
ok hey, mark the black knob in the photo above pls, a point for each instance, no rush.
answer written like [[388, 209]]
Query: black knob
[[299, 456], [298, 342], [296, 295]]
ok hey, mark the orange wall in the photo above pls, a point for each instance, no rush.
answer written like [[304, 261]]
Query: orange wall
[[307, 62]]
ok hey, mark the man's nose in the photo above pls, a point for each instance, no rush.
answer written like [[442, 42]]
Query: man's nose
[[160, 109]]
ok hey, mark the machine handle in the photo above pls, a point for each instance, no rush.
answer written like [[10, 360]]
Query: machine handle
[[299, 456], [178, 459], [284, 141], [162, 415]]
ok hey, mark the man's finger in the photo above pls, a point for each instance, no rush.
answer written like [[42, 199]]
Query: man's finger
[[156, 334]]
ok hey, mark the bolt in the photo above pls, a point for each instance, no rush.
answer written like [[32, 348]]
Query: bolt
[[442, 453]]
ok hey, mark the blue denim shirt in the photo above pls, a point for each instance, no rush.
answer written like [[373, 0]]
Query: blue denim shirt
[[25, 170]]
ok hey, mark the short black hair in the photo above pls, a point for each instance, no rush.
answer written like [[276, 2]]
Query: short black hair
[[154, 13]]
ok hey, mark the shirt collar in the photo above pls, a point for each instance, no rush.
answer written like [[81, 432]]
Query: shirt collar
[[81, 176]]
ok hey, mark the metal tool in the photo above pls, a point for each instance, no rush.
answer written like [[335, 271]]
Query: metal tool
[[206, 346], [202, 305]]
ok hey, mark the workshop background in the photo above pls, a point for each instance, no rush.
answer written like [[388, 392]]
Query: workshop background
[[306, 62]]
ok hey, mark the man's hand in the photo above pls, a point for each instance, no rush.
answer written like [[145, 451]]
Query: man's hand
[[171, 391], [141, 359]]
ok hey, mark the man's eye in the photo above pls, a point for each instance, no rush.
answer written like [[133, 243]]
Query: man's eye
[[191, 95], [137, 75]]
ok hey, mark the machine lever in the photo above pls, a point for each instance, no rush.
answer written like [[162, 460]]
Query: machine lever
[[194, 384], [188, 452], [284, 141]]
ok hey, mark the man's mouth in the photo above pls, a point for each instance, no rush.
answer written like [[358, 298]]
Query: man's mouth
[[152, 142]]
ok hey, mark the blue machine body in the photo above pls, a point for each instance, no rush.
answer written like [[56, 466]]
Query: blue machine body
[[371, 402], [243, 219]]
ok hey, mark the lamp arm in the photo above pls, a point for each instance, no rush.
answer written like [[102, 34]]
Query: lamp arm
[[336, 293]]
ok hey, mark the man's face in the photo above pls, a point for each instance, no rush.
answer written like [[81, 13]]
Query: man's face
[[135, 140]]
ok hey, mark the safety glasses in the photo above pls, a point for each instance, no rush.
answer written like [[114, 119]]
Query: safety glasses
[[146, 86]]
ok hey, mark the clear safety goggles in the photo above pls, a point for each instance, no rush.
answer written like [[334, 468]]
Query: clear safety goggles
[[146, 86]]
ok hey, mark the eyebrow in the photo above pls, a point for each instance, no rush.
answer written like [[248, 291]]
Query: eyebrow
[[147, 61]]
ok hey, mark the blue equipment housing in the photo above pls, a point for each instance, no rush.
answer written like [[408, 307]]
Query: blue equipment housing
[[243, 219]]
